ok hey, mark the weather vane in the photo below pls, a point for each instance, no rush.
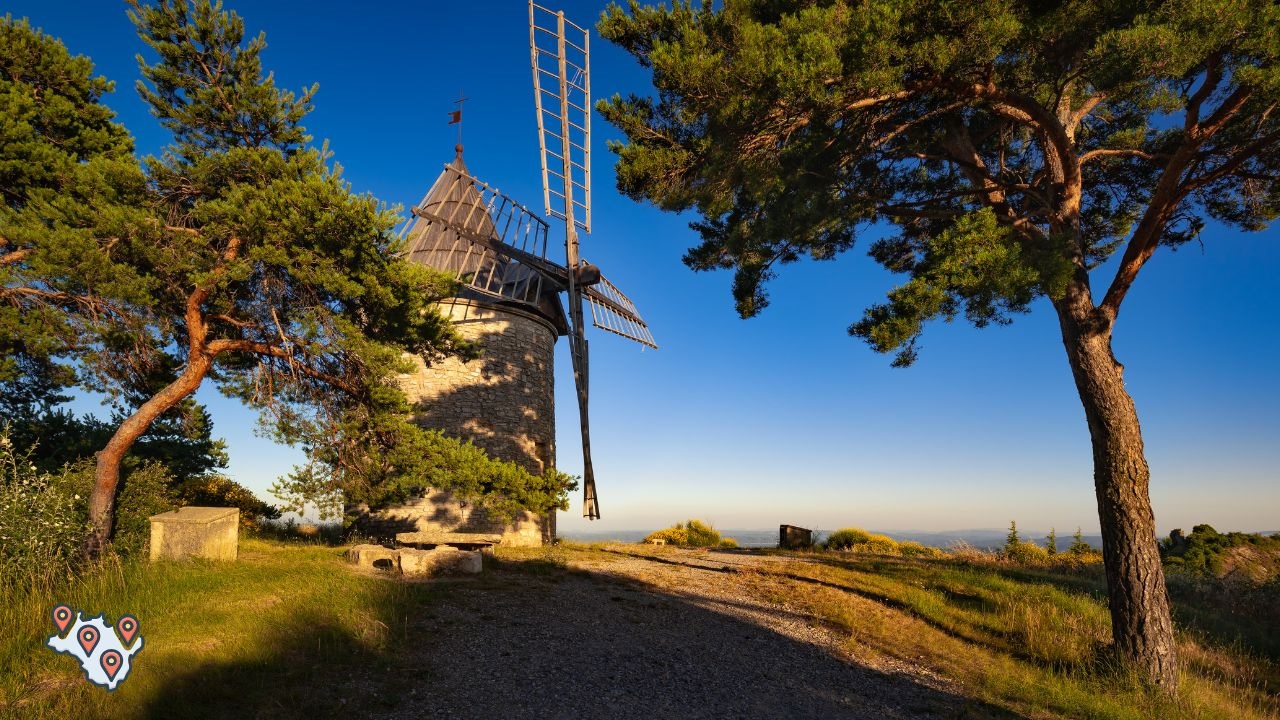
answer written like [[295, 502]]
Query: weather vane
[[455, 117]]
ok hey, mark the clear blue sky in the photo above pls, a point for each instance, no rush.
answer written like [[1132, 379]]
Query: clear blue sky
[[784, 418]]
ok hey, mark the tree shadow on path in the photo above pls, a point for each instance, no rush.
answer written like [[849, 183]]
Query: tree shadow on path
[[536, 640]]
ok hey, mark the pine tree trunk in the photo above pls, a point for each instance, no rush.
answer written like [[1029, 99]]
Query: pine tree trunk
[[102, 501], [1140, 620]]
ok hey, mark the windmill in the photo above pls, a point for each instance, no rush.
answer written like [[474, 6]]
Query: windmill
[[497, 248]]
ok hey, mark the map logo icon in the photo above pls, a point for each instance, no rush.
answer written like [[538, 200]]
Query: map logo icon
[[105, 653]]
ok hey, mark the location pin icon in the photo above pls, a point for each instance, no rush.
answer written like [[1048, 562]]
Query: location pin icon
[[88, 637], [111, 662], [61, 617], [127, 628]]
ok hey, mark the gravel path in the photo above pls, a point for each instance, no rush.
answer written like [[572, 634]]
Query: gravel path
[[646, 634]]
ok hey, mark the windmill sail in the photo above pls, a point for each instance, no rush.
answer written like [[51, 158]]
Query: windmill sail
[[614, 312], [561, 57], [489, 242]]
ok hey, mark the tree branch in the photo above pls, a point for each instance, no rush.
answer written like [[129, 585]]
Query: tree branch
[[14, 257], [1170, 190], [1212, 76], [260, 348], [1107, 152]]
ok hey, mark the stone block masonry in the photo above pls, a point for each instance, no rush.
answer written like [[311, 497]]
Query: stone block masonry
[[196, 532], [503, 402]]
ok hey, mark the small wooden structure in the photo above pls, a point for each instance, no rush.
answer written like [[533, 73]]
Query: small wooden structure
[[791, 537]]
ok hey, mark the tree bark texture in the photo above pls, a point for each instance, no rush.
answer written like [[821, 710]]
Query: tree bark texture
[[1141, 624], [102, 500]]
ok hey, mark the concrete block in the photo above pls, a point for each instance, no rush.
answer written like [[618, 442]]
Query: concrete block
[[202, 532]]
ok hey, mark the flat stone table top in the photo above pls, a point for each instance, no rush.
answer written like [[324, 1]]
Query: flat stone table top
[[203, 515], [446, 538]]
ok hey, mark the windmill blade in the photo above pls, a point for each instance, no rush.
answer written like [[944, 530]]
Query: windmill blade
[[560, 54], [613, 311], [581, 380], [489, 242]]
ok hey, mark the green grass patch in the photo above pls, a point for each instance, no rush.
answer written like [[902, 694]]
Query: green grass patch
[[276, 633]]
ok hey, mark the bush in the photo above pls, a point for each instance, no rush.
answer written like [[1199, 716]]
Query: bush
[[42, 515], [911, 548], [144, 491], [1025, 553], [693, 533], [859, 540], [880, 545], [846, 538], [222, 491]]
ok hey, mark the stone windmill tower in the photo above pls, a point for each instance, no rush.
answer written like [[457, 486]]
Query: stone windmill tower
[[510, 300]]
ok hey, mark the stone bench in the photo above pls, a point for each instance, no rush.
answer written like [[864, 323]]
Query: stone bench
[[413, 561], [459, 540]]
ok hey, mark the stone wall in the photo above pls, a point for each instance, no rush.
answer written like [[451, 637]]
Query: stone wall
[[504, 402]]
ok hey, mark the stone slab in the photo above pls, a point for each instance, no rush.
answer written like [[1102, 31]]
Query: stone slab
[[415, 562]]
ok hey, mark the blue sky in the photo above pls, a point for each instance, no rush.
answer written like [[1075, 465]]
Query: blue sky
[[783, 418]]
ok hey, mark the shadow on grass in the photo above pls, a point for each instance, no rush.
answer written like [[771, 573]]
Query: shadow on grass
[[315, 668], [530, 639]]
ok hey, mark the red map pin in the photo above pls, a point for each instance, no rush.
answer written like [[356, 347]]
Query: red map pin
[[61, 617], [127, 629], [111, 662], [88, 637]]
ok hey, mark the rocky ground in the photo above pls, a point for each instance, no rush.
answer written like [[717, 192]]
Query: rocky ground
[[632, 632]]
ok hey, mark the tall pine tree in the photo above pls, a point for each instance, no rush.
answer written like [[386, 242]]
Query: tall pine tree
[[1013, 146]]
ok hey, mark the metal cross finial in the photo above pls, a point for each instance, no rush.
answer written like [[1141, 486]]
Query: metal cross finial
[[455, 117]]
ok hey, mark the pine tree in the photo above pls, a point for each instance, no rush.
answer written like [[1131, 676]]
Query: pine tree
[[68, 179], [1014, 146], [1078, 545], [1012, 540], [239, 255], [1051, 542]]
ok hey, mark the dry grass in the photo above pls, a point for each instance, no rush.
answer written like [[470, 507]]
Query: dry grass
[[1034, 642]]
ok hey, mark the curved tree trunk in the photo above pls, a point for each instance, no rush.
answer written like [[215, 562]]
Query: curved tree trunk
[[102, 501], [1140, 619]]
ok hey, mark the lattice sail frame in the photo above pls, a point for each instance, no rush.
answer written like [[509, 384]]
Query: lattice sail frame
[[614, 312], [560, 52], [487, 241]]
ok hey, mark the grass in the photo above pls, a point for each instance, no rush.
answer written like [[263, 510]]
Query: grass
[[280, 630], [290, 631], [1031, 641]]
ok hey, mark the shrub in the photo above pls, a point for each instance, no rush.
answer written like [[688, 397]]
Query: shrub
[[1025, 553], [222, 491], [846, 538], [911, 548], [42, 515], [879, 544], [693, 533], [144, 491], [674, 535], [701, 534], [859, 540]]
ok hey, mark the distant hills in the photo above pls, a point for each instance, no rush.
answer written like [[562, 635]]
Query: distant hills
[[981, 538]]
